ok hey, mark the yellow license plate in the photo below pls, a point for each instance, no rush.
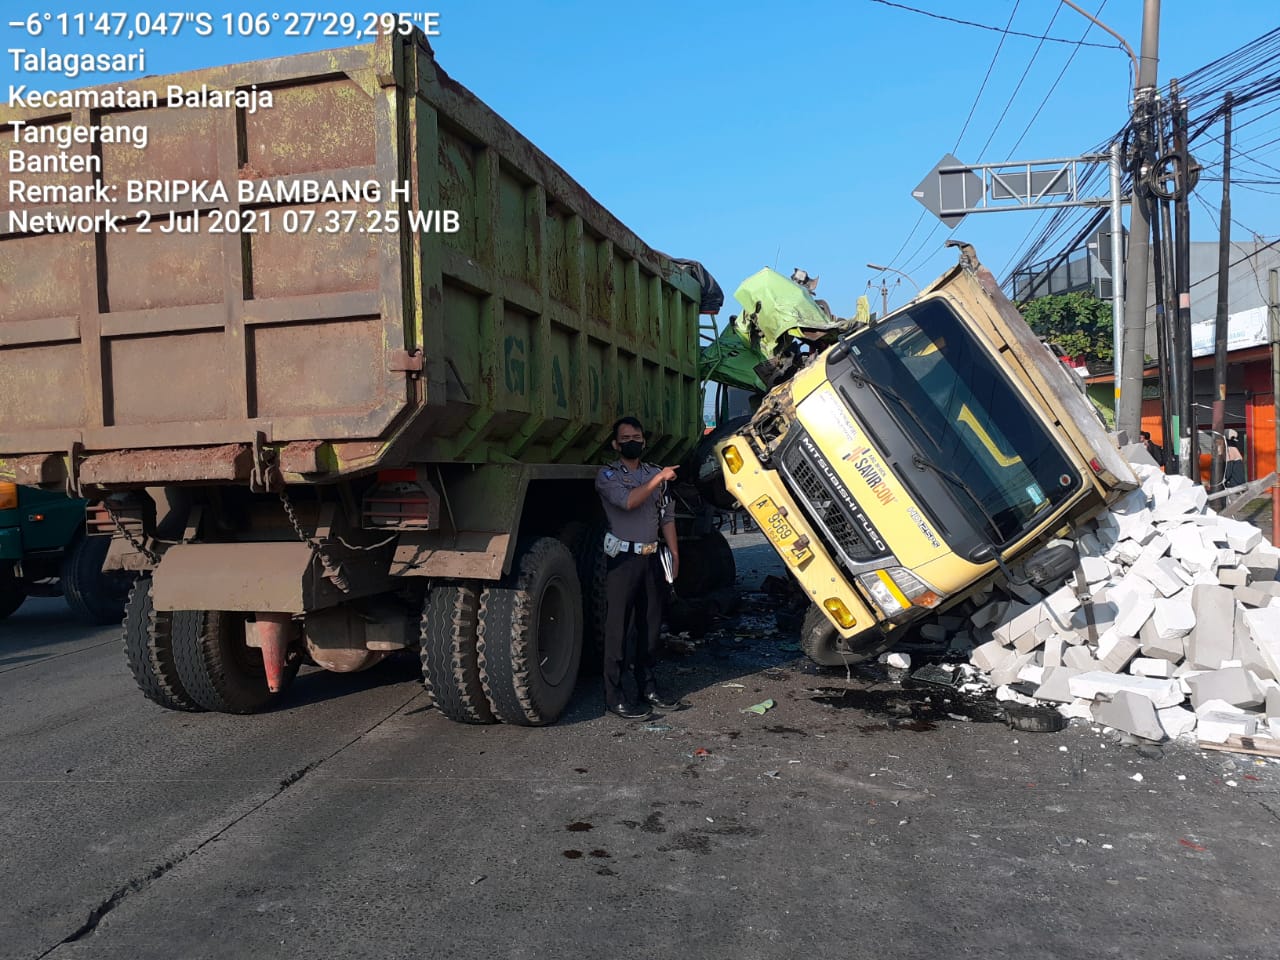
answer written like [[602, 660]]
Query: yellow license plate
[[776, 527]]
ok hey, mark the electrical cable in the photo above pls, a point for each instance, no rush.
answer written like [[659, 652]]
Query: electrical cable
[[987, 26]]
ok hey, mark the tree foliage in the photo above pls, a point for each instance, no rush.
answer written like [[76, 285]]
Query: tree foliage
[[1078, 324]]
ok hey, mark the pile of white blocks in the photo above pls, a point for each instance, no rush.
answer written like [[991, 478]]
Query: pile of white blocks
[[1180, 636]]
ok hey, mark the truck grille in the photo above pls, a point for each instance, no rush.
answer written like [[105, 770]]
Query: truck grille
[[828, 502]]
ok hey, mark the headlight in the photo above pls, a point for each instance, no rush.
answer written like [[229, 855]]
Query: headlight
[[8, 496], [896, 590]]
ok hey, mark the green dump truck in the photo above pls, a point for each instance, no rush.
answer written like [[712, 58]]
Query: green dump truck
[[363, 342], [44, 553]]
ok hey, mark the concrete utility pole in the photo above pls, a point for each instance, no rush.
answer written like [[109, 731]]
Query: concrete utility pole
[[1220, 321], [1129, 409], [1188, 439]]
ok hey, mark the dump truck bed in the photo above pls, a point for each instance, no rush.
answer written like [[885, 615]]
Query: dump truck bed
[[314, 330]]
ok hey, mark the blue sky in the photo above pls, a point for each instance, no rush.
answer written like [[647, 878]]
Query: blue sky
[[749, 134]]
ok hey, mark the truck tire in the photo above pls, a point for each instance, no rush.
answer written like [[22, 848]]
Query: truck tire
[[822, 644], [586, 542], [706, 565], [148, 648], [92, 595], [219, 670], [11, 592], [450, 662], [531, 636]]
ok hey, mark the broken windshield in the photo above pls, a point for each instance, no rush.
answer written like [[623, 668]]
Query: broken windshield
[[965, 417]]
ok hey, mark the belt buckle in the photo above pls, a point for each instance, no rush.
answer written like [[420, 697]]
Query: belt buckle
[[646, 549]]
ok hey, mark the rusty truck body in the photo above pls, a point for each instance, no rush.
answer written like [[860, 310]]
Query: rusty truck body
[[323, 434]]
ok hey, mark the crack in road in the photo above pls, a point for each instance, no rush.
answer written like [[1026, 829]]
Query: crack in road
[[138, 884], [39, 659]]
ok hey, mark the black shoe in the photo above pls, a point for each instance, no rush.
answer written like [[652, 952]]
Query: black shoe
[[628, 712], [661, 702]]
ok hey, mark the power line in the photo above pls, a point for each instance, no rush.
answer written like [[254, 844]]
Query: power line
[[987, 26]]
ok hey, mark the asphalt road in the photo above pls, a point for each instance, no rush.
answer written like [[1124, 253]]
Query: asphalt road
[[355, 821]]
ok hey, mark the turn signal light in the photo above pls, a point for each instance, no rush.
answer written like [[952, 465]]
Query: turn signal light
[[732, 458], [843, 616], [8, 496]]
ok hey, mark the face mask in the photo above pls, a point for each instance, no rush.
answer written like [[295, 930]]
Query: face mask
[[631, 449]]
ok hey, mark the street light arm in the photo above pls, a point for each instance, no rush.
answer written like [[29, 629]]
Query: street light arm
[[876, 266], [1127, 49]]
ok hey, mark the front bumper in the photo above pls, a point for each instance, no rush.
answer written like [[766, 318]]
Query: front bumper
[[813, 566]]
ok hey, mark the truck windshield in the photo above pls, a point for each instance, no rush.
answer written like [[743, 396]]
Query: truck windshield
[[963, 414]]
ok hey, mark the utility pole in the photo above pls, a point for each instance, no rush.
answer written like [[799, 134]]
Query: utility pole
[[1220, 321], [1129, 406], [1188, 447]]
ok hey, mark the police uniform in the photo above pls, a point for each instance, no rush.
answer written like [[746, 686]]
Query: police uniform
[[634, 574]]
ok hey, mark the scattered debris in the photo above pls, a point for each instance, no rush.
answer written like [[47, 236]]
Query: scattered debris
[[759, 709], [1178, 604], [479, 879], [702, 752]]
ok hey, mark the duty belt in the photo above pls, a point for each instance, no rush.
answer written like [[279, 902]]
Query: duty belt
[[615, 545]]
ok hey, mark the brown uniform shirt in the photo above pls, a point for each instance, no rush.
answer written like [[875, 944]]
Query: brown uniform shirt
[[614, 483]]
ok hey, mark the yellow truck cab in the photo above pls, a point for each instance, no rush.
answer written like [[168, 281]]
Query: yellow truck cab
[[908, 463]]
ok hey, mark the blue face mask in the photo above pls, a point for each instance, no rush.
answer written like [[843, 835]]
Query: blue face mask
[[631, 449]]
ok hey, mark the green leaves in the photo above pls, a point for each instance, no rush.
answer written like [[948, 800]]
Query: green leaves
[[1078, 324]]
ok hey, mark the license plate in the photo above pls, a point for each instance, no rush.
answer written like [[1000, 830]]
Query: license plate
[[777, 529]]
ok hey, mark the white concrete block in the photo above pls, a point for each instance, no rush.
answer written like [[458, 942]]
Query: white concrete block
[[986, 657], [1173, 618], [1029, 641], [1163, 693], [1079, 659], [1218, 706], [1217, 726], [989, 613], [1096, 568], [1053, 647], [1131, 617], [1212, 636], [1153, 645], [1031, 673], [1233, 576], [1234, 685], [1157, 574], [1264, 629], [1018, 619], [1154, 549], [1130, 712], [1061, 604], [1151, 667], [1176, 721], [1088, 547], [1251, 596], [1007, 672], [1054, 684], [1261, 563], [1241, 537], [1118, 654]]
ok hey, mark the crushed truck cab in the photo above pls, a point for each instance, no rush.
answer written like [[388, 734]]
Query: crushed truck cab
[[904, 465]]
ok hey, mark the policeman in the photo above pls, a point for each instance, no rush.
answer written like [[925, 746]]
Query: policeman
[[638, 511]]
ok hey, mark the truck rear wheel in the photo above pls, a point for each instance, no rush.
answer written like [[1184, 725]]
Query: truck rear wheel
[[586, 543], [825, 647], [706, 565], [450, 662], [11, 592], [531, 636], [148, 648], [91, 594], [218, 668]]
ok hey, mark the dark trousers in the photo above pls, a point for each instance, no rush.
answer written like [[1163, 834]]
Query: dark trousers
[[631, 587]]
